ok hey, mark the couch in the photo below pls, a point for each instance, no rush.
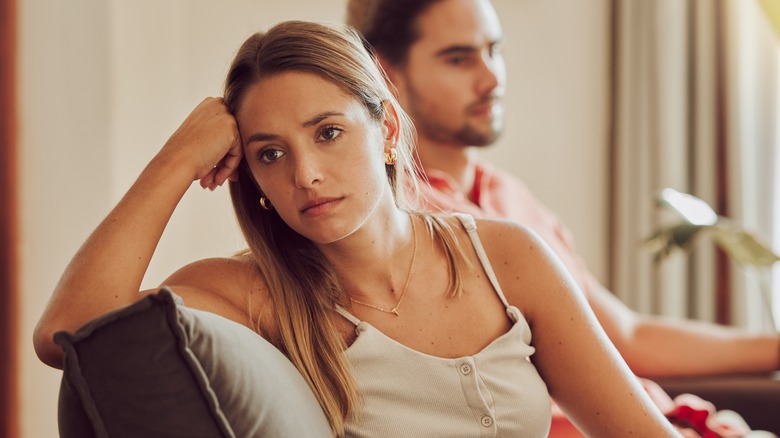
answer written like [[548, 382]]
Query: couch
[[157, 368]]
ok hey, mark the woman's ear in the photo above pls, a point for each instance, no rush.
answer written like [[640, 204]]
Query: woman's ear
[[390, 124]]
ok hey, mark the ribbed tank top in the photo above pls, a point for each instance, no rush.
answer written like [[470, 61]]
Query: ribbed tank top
[[494, 393]]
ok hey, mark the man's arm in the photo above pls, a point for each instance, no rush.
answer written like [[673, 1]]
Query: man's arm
[[664, 347]]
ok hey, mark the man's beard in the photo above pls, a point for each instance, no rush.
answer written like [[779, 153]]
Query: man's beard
[[468, 135]]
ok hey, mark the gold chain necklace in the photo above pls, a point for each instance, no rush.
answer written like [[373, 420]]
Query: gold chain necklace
[[394, 310]]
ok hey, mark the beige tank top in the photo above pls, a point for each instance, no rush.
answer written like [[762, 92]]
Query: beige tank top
[[494, 393]]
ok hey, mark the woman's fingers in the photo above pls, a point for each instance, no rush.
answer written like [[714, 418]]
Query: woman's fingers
[[226, 169], [207, 139], [229, 164], [207, 182]]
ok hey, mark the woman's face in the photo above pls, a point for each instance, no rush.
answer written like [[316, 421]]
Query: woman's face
[[315, 153]]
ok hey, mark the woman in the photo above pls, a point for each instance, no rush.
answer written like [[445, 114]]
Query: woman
[[396, 319]]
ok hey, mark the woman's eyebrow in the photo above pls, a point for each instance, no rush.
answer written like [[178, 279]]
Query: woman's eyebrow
[[260, 136], [320, 117]]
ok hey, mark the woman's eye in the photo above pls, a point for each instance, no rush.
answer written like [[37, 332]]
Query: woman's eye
[[270, 155], [329, 133]]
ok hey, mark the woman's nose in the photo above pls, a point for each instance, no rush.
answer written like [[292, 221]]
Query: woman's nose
[[307, 171]]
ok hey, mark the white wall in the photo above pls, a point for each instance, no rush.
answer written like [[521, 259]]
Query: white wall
[[556, 139], [64, 92], [103, 84]]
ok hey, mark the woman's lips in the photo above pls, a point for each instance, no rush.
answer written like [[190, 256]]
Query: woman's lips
[[319, 205]]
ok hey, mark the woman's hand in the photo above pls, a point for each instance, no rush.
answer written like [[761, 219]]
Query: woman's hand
[[208, 140]]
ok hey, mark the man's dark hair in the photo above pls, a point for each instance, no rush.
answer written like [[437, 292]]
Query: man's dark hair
[[389, 26]]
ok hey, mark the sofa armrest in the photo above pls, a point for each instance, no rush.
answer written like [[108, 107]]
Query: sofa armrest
[[756, 397], [157, 368]]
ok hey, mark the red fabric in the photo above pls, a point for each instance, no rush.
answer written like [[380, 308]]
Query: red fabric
[[699, 415], [692, 418]]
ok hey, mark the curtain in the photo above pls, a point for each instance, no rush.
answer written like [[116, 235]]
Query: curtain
[[664, 135], [688, 85], [752, 52], [8, 223]]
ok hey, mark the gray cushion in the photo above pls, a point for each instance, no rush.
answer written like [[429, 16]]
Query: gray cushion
[[159, 369]]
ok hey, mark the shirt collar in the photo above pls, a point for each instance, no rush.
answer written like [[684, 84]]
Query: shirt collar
[[443, 182]]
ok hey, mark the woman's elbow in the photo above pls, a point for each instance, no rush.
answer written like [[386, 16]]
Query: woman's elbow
[[45, 348]]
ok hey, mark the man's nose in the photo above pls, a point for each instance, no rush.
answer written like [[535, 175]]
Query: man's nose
[[491, 73]]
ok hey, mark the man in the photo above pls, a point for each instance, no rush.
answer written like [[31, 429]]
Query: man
[[444, 58]]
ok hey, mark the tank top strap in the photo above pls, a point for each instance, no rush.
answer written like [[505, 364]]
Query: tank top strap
[[348, 316], [471, 228]]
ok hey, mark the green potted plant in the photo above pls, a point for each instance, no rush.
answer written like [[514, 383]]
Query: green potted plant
[[699, 221]]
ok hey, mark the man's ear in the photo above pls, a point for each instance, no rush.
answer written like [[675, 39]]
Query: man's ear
[[390, 123], [393, 76], [389, 68]]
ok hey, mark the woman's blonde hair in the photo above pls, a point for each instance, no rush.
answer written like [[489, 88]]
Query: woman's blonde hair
[[300, 280]]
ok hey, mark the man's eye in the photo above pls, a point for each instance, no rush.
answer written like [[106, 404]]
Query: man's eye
[[270, 155], [329, 133], [457, 60]]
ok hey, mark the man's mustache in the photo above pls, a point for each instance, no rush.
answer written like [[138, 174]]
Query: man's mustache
[[486, 99]]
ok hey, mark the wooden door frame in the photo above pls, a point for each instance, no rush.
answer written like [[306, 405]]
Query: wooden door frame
[[723, 290], [9, 309]]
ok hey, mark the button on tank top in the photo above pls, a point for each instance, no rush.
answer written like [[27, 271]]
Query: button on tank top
[[497, 392]]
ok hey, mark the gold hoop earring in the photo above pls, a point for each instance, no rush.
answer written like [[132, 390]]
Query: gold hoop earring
[[391, 157], [265, 203]]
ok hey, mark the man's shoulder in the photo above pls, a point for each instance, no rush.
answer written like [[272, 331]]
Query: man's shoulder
[[504, 189], [497, 176]]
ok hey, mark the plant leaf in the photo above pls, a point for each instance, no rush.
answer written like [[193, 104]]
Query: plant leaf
[[744, 247]]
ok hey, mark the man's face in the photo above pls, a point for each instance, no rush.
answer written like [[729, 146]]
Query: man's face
[[454, 76]]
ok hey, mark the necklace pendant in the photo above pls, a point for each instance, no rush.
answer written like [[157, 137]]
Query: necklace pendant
[[394, 310]]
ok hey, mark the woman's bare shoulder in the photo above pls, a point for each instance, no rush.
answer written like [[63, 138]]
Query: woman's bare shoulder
[[216, 272], [524, 264], [502, 239], [505, 235], [226, 286]]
